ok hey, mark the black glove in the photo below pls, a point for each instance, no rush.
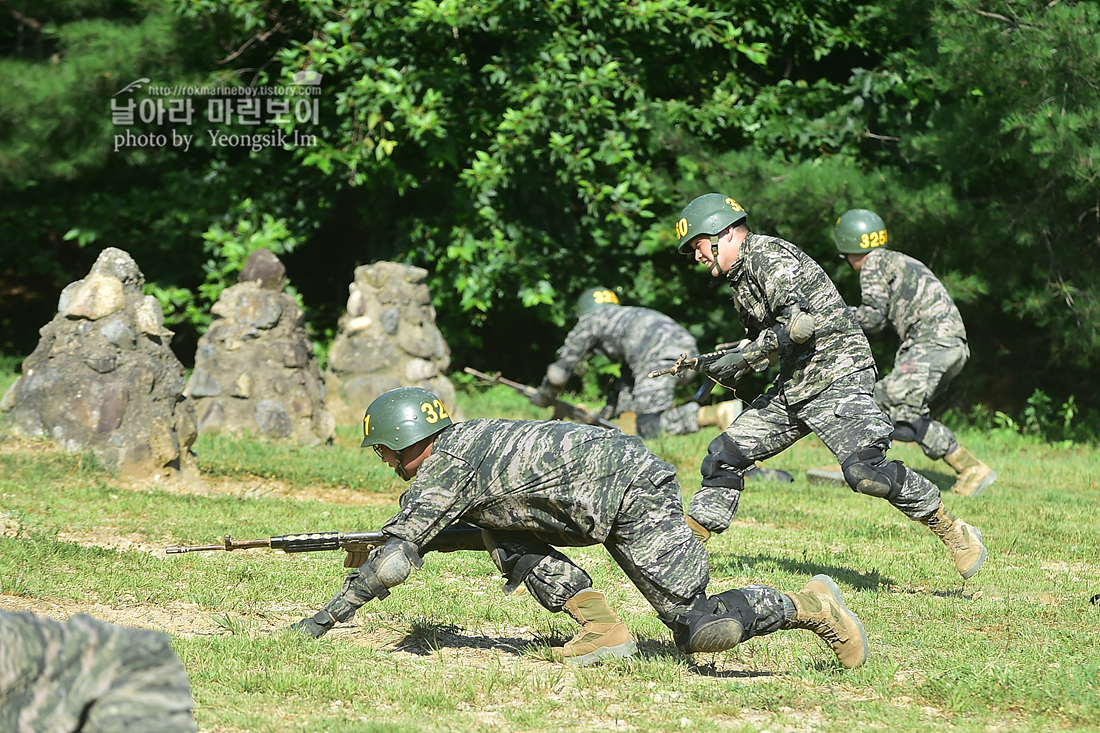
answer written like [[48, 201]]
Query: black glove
[[314, 628], [544, 396], [729, 366]]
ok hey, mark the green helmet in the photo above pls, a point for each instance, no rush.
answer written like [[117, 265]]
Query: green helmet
[[594, 297], [710, 214], [403, 416], [859, 230]]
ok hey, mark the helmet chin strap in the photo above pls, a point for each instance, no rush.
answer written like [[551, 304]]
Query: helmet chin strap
[[714, 268]]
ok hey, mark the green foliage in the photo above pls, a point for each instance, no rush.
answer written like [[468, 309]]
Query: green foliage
[[521, 150]]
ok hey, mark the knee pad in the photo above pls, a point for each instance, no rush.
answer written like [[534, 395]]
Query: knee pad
[[724, 464], [388, 566], [868, 472], [714, 623], [910, 431], [649, 424]]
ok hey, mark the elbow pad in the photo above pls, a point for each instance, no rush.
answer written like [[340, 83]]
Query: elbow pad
[[557, 375], [389, 565]]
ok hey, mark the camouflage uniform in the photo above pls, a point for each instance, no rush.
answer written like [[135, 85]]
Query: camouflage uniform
[[539, 485], [642, 340], [901, 292], [824, 385], [89, 676]]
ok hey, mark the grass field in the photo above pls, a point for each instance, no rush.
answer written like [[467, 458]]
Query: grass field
[[1015, 648]]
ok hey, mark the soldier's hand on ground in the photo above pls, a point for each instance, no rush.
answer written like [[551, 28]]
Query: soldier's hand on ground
[[312, 627], [728, 367], [543, 397]]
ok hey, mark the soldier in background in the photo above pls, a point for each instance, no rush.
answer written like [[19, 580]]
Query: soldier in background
[[533, 486], [795, 317], [641, 340], [901, 292], [87, 676]]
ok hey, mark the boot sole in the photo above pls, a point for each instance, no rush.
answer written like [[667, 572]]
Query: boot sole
[[982, 486], [835, 591], [621, 651], [973, 570], [716, 636], [820, 476]]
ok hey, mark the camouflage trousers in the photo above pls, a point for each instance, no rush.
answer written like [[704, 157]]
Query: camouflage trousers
[[655, 397], [921, 372], [843, 415], [88, 676], [653, 545]]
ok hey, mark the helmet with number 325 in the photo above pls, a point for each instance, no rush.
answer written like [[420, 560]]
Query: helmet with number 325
[[859, 230], [403, 416], [593, 298]]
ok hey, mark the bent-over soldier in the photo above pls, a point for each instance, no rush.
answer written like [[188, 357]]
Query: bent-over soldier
[[83, 675], [794, 314], [534, 486], [900, 291]]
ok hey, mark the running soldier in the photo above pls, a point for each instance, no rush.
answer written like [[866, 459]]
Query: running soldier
[[901, 292], [641, 340], [532, 486], [84, 675], [794, 315]]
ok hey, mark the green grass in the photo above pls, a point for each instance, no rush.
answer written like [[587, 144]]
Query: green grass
[[1015, 648]]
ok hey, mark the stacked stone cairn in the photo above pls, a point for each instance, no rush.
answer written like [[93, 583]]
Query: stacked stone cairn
[[387, 338], [255, 372], [103, 378]]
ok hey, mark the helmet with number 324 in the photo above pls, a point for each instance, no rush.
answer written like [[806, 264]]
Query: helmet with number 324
[[403, 416], [859, 230]]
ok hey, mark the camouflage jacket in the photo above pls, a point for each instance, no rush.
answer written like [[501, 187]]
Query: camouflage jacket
[[901, 291], [560, 480], [641, 338], [769, 278]]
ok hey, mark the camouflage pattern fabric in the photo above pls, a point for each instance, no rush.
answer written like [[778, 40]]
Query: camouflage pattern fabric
[[770, 277], [680, 420], [843, 415], [88, 676], [641, 339], [568, 485], [901, 292], [921, 371]]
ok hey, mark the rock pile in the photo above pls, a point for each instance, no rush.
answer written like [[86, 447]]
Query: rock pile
[[387, 338], [255, 371], [104, 379]]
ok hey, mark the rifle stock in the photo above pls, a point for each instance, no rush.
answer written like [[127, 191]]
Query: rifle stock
[[561, 407]]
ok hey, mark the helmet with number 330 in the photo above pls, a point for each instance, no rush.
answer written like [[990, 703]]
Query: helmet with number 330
[[859, 230], [403, 416], [710, 215]]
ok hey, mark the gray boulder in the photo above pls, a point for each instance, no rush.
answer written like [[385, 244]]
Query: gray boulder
[[103, 378], [387, 338], [255, 371]]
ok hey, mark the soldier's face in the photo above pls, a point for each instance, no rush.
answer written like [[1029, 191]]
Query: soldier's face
[[717, 253]]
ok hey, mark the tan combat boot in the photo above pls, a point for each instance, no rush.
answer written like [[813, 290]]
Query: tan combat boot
[[964, 541], [721, 414], [974, 475], [820, 608], [602, 634], [701, 533]]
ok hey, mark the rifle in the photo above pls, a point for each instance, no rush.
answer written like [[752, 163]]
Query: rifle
[[698, 363], [449, 540], [561, 407]]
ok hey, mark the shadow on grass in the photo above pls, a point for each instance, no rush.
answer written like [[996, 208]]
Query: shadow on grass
[[733, 564]]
